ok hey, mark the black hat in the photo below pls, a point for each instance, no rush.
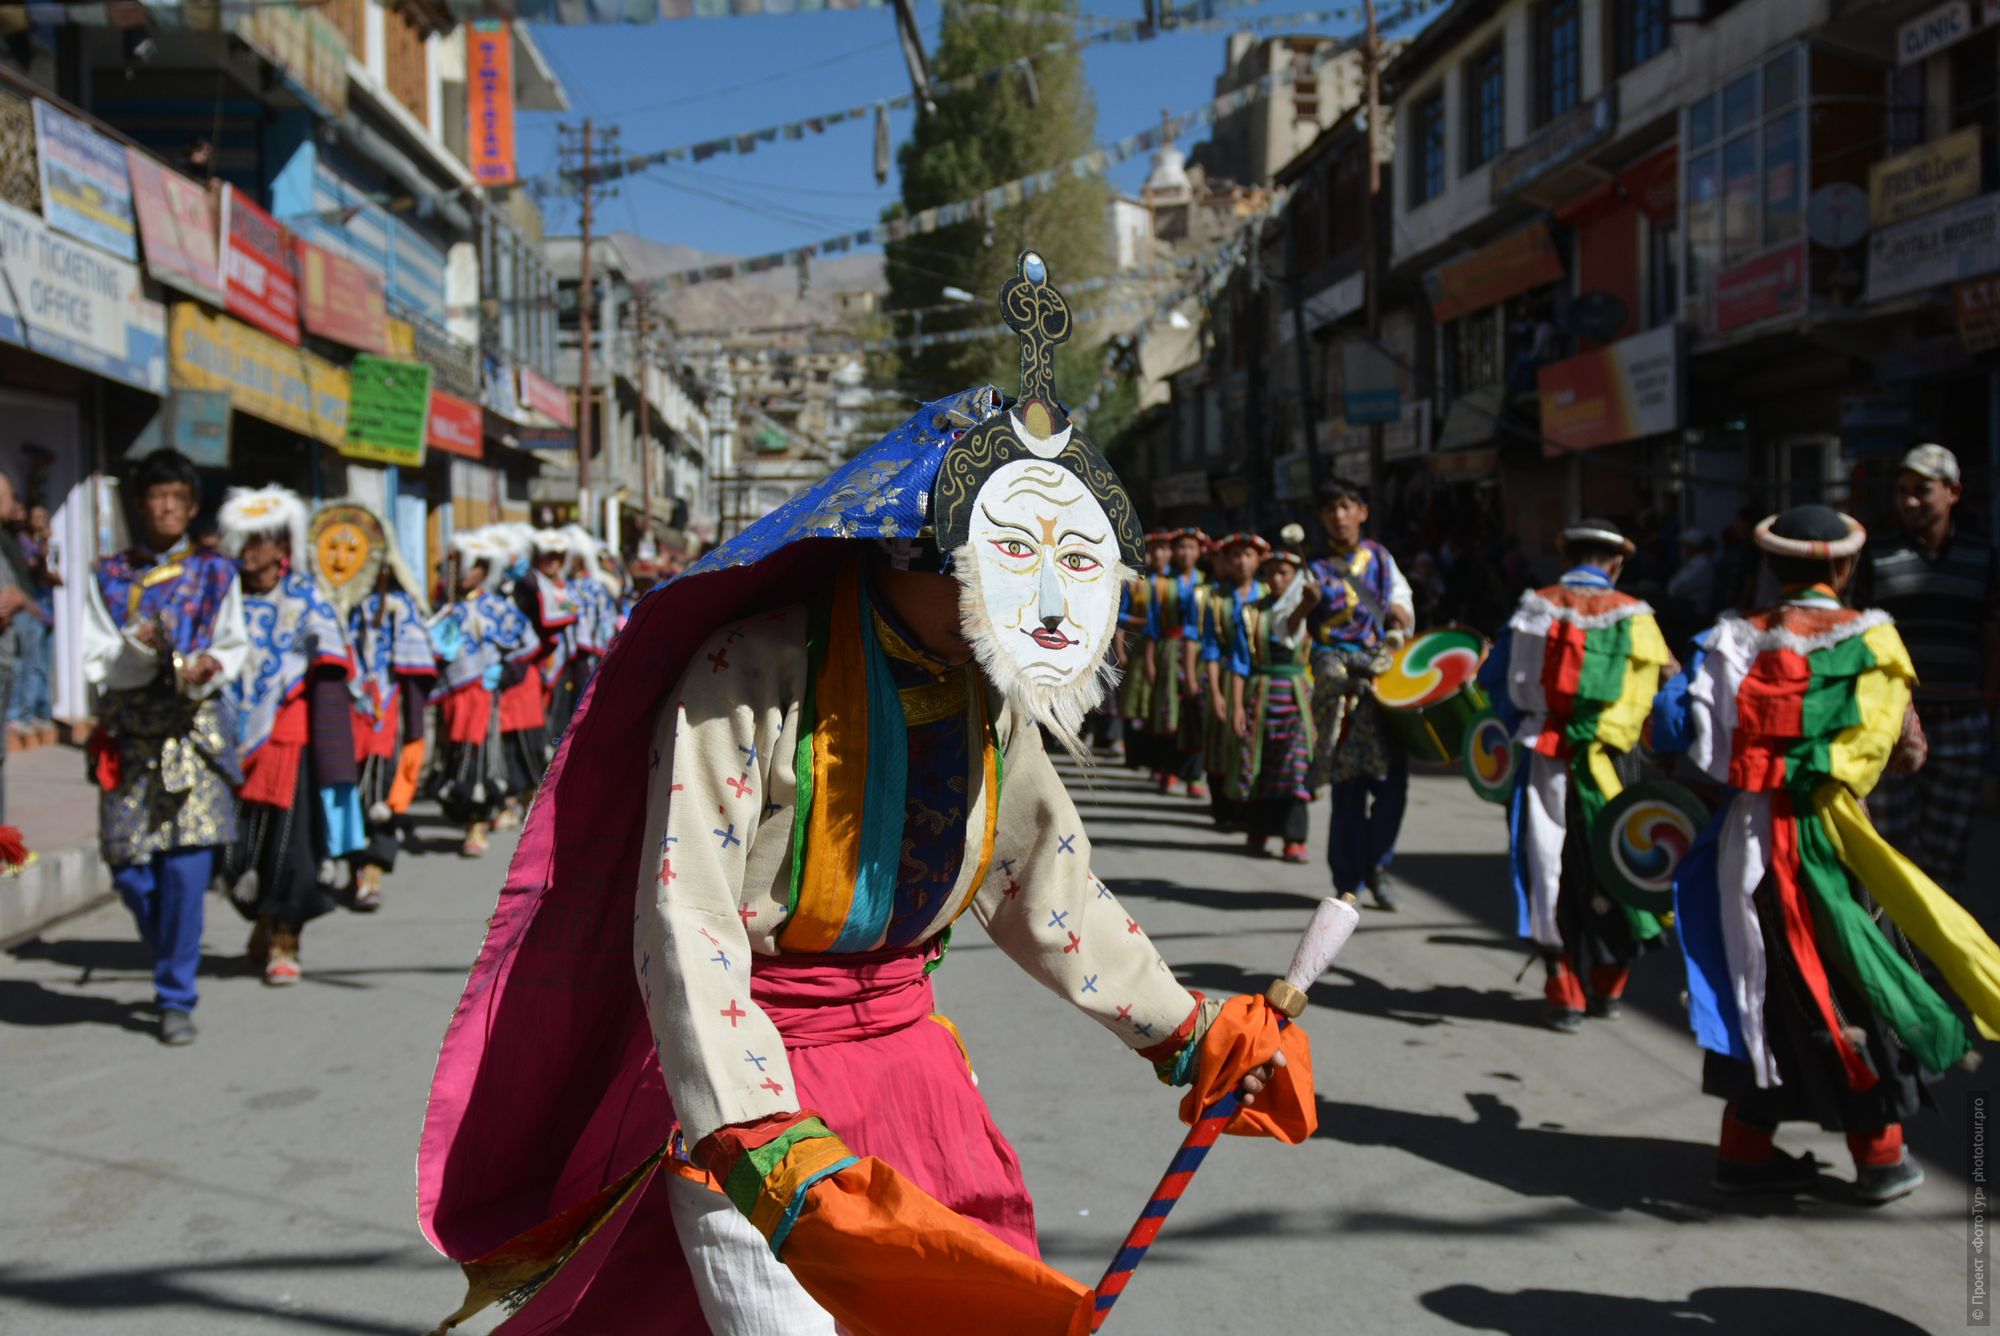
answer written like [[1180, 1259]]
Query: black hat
[[1813, 531], [1594, 532]]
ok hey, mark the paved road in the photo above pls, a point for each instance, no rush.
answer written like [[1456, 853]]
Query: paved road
[[1473, 1171]]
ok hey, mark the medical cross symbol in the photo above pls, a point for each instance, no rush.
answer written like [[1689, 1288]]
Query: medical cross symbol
[[734, 1013], [742, 788], [728, 837], [1090, 983], [748, 1056], [1059, 918], [719, 660], [1066, 844]]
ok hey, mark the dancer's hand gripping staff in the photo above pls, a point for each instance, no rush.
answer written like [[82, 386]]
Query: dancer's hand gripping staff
[[1249, 1032]]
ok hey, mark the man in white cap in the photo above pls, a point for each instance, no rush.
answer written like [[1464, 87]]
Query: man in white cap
[[1939, 583]]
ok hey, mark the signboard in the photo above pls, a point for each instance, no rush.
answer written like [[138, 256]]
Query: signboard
[[456, 426], [489, 101], [196, 423], [257, 267], [1929, 177], [541, 395], [1630, 389], [1567, 137], [1371, 384], [74, 303], [341, 300], [305, 47], [262, 377], [1773, 284], [1928, 34], [1517, 262], [1409, 435], [1962, 241], [1978, 304], [177, 223], [1473, 418], [84, 189], [388, 412]]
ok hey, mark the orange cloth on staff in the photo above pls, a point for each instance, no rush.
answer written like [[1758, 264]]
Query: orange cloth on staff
[[886, 1259], [409, 770], [1242, 1038]]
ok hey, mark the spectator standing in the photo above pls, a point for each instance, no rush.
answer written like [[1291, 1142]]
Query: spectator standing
[[34, 627], [16, 602], [1940, 584]]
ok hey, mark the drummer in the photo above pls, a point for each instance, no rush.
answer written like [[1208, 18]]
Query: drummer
[[1575, 672], [1364, 604]]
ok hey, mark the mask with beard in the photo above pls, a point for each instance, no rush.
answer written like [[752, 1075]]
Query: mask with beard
[[1041, 533]]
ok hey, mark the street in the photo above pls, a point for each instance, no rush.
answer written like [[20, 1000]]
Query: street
[[1473, 1170]]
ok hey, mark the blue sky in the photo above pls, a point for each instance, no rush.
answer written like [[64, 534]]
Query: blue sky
[[665, 84]]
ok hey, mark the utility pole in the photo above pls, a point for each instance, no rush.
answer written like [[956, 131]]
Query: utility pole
[[643, 318], [1372, 61], [585, 155]]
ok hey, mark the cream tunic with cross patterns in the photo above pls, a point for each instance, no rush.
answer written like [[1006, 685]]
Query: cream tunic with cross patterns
[[714, 891]]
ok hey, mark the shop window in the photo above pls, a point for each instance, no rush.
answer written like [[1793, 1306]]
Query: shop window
[[1558, 59], [1485, 106], [1906, 109], [1641, 31], [1427, 145], [1472, 352], [1745, 165]]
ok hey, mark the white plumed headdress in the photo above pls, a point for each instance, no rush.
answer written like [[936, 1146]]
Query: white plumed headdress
[[251, 512]]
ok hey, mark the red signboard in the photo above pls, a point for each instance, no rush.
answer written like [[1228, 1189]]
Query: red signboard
[[341, 299], [1773, 284], [257, 262], [544, 396], [1510, 266], [177, 225], [456, 427], [489, 100], [1654, 184]]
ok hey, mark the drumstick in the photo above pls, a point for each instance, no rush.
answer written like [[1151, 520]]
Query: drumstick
[[1332, 924]]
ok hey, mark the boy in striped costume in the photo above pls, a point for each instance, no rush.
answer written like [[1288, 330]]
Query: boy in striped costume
[[1575, 671], [1808, 1007]]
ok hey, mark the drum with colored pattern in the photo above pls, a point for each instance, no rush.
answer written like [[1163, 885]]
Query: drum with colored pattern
[[1639, 840], [1492, 761], [1430, 695]]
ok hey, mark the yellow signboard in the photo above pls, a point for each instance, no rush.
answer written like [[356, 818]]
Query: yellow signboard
[[262, 376], [1942, 172]]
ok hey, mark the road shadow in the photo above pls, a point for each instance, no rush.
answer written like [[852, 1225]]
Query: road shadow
[[29, 1005], [1723, 1309], [1359, 994], [164, 1288], [1655, 1176], [1206, 897]]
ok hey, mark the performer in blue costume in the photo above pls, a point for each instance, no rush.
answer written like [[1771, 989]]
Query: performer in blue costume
[[294, 732], [160, 755]]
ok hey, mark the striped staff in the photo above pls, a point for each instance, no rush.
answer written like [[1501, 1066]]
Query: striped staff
[[1332, 924]]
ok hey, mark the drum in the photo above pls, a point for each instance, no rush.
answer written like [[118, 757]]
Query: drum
[[1491, 759], [1639, 839], [1429, 697]]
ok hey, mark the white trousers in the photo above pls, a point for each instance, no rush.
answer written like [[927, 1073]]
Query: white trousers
[[744, 1291]]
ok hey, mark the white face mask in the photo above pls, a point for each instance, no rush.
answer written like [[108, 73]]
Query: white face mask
[[1041, 580]]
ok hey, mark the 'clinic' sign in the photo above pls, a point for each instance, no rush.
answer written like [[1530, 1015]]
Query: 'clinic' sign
[[1931, 33]]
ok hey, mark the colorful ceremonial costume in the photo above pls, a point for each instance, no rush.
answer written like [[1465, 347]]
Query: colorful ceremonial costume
[[473, 638], [1574, 672], [293, 724], [1226, 651], [161, 755], [1368, 773], [1269, 778], [805, 800], [596, 591], [1138, 686], [522, 702], [1809, 1007], [1176, 722]]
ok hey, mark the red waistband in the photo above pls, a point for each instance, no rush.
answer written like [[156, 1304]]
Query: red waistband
[[1175, 633], [831, 999]]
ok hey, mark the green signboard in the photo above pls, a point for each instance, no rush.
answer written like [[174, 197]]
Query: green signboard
[[388, 409]]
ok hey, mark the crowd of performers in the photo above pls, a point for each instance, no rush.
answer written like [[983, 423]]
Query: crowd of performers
[[266, 703], [1812, 948], [809, 756]]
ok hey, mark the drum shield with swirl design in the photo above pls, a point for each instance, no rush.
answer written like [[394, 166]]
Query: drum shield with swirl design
[[1640, 839]]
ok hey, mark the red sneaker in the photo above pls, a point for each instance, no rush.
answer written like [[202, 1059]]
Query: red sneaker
[[1169, 785], [1297, 853], [1198, 792]]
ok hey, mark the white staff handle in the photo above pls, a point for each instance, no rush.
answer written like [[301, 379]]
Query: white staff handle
[[1332, 924]]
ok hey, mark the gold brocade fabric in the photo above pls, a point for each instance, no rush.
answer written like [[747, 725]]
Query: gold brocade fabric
[[176, 778]]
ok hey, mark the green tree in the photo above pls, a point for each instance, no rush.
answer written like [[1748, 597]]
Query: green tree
[[972, 142]]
